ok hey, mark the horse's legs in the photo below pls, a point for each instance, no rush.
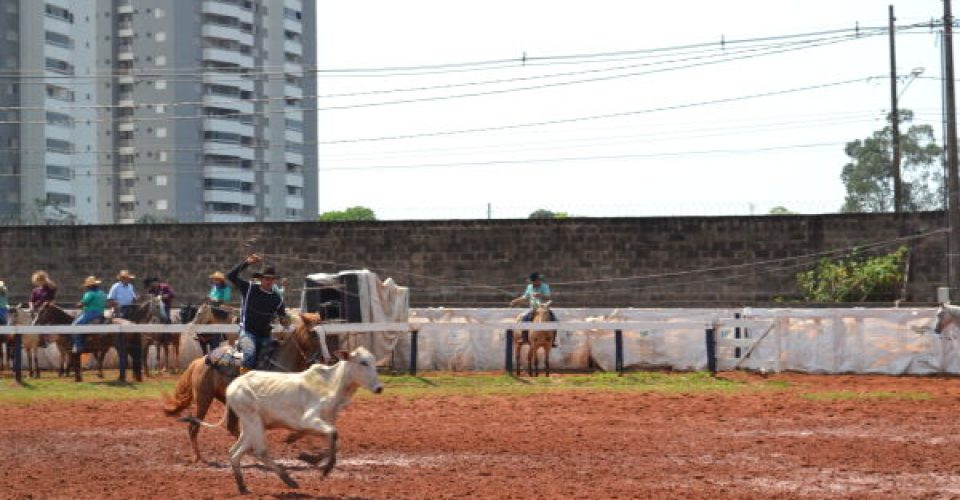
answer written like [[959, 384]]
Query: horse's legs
[[518, 347], [203, 404], [100, 354], [546, 358]]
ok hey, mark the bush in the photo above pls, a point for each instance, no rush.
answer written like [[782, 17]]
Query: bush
[[855, 278]]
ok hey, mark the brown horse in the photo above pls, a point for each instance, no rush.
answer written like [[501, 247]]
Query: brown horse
[[204, 383], [98, 344], [538, 340], [20, 316], [150, 311]]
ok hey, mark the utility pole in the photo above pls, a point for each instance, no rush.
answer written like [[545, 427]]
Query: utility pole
[[895, 128], [953, 183]]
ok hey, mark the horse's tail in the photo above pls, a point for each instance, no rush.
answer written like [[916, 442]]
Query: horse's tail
[[183, 394]]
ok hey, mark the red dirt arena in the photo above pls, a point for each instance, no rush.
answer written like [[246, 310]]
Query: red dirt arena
[[901, 438]]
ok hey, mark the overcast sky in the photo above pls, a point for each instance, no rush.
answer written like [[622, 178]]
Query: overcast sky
[[694, 129]]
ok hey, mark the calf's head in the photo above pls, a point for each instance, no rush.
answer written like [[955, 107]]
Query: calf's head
[[361, 369]]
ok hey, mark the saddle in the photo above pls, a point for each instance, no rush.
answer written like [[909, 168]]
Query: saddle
[[228, 359]]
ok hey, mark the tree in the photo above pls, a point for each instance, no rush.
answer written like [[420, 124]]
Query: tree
[[856, 278], [781, 210], [869, 180], [350, 214], [543, 213]]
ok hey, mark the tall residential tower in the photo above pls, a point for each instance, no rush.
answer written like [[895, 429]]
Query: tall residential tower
[[119, 111]]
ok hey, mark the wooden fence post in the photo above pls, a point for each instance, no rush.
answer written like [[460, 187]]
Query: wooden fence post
[[414, 347], [618, 343], [508, 358], [711, 337], [17, 358]]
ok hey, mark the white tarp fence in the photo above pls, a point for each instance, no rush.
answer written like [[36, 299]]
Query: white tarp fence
[[874, 341]]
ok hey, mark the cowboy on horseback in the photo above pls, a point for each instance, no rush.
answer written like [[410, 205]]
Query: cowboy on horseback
[[259, 304], [92, 305], [536, 293]]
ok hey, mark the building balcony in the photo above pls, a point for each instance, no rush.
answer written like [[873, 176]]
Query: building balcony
[[125, 55], [294, 26], [128, 174], [293, 68], [292, 91], [228, 56], [232, 126], [293, 47], [125, 125], [294, 180], [238, 150], [127, 198], [239, 105], [125, 31], [227, 33], [226, 218], [230, 173], [126, 80], [238, 197], [227, 10], [291, 157], [294, 202], [229, 80]]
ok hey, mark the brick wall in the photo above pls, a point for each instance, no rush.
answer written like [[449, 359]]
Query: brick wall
[[681, 261]]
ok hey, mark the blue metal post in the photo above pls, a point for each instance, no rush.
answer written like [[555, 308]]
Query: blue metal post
[[618, 342], [508, 359], [414, 341]]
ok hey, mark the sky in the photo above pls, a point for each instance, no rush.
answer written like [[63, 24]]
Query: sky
[[608, 108]]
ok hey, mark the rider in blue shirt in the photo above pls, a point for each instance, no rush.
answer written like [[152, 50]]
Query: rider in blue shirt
[[536, 293]]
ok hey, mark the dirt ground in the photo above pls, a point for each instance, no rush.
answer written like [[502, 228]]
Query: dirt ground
[[566, 444]]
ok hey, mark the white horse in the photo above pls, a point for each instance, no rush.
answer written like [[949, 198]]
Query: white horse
[[947, 314]]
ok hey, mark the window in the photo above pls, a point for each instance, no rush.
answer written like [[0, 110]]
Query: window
[[161, 60], [60, 93], [161, 36], [59, 119], [59, 146], [58, 66], [60, 199], [59, 172], [227, 185], [58, 13], [159, 13], [161, 132], [161, 204], [161, 180], [59, 39], [293, 15]]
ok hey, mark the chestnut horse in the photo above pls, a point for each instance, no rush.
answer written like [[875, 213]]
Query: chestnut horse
[[204, 383], [98, 345], [538, 340]]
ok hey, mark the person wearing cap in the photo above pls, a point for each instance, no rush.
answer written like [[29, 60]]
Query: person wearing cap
[[122, 295], [92, 305], [259, 304], [219, 289], [536, 293], [163, 290]]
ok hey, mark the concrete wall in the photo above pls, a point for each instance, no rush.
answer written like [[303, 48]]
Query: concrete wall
[[647, 262]]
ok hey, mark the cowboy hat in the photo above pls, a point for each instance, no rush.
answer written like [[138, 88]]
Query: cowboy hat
[[268, 272], [535, 276], [217, 275], [125, 274], [91, 281]]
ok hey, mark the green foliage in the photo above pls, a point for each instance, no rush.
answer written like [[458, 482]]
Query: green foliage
[[856, 278], [868, 177], [781, 210], [548, 214], [351, 214]]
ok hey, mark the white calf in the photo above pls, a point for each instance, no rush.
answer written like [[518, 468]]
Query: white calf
[[306, 403]]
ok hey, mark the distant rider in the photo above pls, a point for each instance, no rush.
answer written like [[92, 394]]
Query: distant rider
[[536, 293]]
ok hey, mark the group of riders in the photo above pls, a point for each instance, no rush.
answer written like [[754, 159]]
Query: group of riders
[[261, 302]]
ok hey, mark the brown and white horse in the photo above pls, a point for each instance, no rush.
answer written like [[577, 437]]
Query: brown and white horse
[[538, 340]]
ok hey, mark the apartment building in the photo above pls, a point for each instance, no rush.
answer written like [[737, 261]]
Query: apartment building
[[158, 110]]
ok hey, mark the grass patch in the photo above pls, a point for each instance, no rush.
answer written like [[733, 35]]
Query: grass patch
[[871, 395], [54, 388]]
